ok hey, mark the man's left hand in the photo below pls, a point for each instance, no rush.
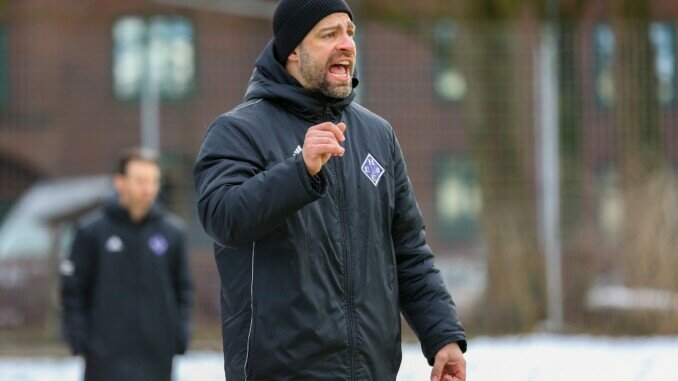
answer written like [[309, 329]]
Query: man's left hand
[[449, 364]]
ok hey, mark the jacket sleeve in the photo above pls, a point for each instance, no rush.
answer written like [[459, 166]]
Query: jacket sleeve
[[240, 199], [77, 278], [424, 299], [183, 289]]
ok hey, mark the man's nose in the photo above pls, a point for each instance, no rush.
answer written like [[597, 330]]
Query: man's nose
[[346, 43]]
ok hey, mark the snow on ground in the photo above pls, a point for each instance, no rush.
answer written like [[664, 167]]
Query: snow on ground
[[519, 358]]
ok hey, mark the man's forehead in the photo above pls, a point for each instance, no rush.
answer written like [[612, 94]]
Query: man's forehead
[[339, 18], [142, 166]]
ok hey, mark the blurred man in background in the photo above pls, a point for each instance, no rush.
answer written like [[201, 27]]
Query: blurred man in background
[[126, 287], [319, 248]]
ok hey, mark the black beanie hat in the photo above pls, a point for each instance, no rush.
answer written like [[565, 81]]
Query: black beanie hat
[[293, 19]]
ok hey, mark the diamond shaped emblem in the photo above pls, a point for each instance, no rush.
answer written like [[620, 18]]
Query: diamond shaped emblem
[[372, 169]]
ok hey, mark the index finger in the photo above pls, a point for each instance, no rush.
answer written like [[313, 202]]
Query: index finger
[[437, 370], [333, 128]]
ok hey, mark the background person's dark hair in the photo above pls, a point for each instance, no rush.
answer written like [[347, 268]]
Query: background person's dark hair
[[135, 154]]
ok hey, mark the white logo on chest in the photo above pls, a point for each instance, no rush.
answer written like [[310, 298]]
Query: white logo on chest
[[297, 151], [66, 267], [158, 244], [114, 244], [372, 169]]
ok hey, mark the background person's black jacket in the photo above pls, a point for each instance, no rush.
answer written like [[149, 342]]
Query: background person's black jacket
[[127, 294], [314, 276]]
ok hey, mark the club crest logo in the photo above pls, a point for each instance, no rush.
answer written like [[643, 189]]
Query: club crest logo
[[114, 244], [158, 244], [372, 169], [66, 267]]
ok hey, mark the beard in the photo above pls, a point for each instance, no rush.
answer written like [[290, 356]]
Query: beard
[[315, 75]]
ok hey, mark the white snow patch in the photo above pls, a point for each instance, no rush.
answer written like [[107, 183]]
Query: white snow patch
[[520, 358], [625, 298]]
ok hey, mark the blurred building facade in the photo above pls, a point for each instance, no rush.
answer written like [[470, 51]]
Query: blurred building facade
[[72, 74]]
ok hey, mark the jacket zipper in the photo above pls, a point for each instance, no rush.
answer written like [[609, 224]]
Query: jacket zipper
[[348, 279]]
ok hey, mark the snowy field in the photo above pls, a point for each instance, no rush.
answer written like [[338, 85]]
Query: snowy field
[[519, 358]]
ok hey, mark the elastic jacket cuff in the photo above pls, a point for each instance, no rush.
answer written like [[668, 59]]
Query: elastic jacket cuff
[[314, 185], [461, 340]]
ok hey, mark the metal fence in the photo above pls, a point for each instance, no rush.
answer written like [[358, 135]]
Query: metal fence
[[543, 157]]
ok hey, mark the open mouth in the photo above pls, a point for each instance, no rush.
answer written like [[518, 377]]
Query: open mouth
[[341, 70]]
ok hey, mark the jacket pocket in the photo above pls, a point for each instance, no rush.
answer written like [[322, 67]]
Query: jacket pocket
[[308, 246], [250, 361], [311, 250]]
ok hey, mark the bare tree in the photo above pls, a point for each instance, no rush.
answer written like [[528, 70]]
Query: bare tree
[[650, 232], [580, 263], [502, 145], [498, 119]]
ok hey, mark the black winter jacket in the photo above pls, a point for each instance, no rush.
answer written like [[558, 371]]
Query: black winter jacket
[[314, 275], [127, 294]]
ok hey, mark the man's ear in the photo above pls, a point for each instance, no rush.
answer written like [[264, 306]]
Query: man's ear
[[294, 56], [118, 182]]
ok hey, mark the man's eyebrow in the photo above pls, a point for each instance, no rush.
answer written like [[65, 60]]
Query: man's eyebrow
[[331, 27], [335, 27]]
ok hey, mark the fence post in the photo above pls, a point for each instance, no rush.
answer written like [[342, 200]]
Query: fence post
[[548, 169]]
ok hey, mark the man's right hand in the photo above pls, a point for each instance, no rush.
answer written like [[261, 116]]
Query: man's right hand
[[321, 143]]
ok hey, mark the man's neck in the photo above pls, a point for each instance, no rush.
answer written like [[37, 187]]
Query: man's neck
[[136, 215]]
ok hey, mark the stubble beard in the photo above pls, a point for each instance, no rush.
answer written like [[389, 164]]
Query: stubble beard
[[315, 75]]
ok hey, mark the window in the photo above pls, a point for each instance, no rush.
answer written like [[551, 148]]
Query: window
[[4, 69], [164, 45], [610, 208], [662, 38], [604, 44], [458, 199], [449, 82]]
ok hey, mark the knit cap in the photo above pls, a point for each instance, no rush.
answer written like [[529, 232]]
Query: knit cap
[[293, 19]]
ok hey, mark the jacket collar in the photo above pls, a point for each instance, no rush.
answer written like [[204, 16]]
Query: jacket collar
[[270, 80]]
